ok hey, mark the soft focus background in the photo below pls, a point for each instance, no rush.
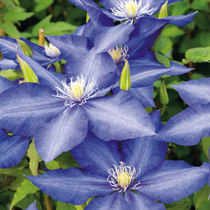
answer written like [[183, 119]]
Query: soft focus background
[[23, 18]]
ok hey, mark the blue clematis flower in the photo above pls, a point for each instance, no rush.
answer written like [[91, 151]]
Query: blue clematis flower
[[123, 176], [12, 148], [61, 110], [43, 55]]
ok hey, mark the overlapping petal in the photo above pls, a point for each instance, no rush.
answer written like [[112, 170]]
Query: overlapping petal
[[118, 117], [173, 180], [73, 185]]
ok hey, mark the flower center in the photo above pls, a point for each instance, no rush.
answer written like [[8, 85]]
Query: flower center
[[121, 177], [129, 10], [77, 92], [51, 50], [119, 53]]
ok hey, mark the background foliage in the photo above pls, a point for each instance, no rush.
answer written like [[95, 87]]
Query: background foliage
[[21, 18]]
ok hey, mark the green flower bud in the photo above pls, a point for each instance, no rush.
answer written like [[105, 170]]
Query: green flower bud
[[28, 73], [163, 11], [125, 78], [25, 48], [163, 94]]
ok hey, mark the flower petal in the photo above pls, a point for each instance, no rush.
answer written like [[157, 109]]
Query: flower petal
[[61, 134], [5, 84], [73, 185], [118, 117], [96, 155], [174, 180], [113, 201]]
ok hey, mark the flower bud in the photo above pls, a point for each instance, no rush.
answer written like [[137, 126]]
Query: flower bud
[[125, 78], [28, 73], [25, 48], [163, 94], [163, 11]]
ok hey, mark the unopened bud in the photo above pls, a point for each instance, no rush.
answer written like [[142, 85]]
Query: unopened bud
[[163, 94], [163, 11], [25, 48], [125, 78], [28, 73]]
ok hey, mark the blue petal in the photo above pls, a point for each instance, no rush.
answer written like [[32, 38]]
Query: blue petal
[[61, 134], [12, 150], [71, 46], [155, 118], [140, 151], [73, 185], [32, 206], [45, 77], [187, 127], [27, 105], [174, 180], [118, 117], [107, 38], [194, 91], [97, 156], [80, 4], [136, 200], [114, 201], [181, 20], [8, 64], [178, 69], [5, 84]]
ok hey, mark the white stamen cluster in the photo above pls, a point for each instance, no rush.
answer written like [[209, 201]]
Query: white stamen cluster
[[121, 177], [77, 92], [130, 10], [51, 50], [119, 53]]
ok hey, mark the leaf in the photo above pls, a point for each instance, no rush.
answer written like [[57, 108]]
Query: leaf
[[58, 26], [64, 206], [201, 196], [34, 158], [200, 5], [66, 160], [184, 204], [204, 38], [52, 165], [41, 24], [173, 31], [160, 43], [162, 59], [10, 29], [16, 16], [42, 4], [180, 8], [20, 166], [26, 188], [197, 55], [205, 145], [201, 21], [12, 74]]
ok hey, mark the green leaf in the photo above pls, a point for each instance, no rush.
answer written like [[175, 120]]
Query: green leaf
[[205, 205], [42, 4], [160, 43], [200, 5], [10, 29], [34, 158], [66, 160], [64, 206], [204, 38], [26, 188], [184, 204], [41, 24], [197, 55], [16, 16], [180, 8], [205, 145], [162, 59], [173, 31], [20, 166], [57, 27], [9, 2], [201, 196], [52, 165], [202, 21], [12, 74]]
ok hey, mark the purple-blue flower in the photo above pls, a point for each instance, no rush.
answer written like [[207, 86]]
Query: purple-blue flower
[[121, 175]]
